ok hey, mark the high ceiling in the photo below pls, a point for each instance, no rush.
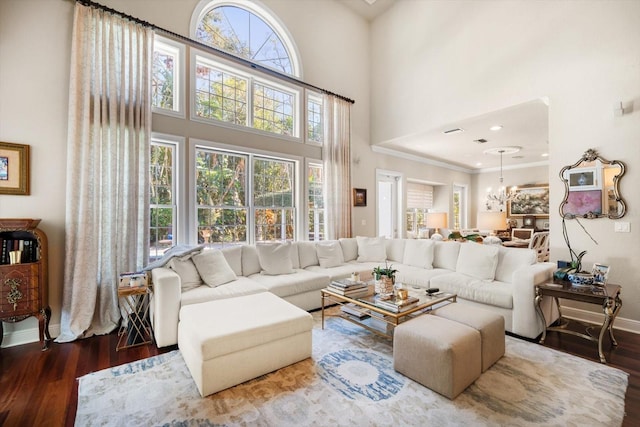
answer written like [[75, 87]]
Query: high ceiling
[[525, 126], [369, 9]]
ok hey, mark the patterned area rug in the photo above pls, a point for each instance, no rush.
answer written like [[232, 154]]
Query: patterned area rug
[[350, 381]]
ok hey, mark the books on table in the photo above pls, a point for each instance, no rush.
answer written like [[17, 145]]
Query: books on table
[[396, 305], [349, 288], [352, 310]]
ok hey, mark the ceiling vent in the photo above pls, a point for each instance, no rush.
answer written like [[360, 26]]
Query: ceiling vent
[[456, 130]]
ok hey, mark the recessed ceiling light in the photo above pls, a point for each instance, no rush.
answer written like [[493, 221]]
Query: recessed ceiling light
[[545, 154], [455, 130], [478, 164], [496, 127]]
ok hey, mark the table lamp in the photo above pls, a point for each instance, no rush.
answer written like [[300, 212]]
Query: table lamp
[[436, 220], [492, 220]]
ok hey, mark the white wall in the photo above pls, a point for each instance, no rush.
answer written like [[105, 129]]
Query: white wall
[[434, 62]]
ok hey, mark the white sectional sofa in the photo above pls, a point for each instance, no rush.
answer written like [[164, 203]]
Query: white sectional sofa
[[494, 277]]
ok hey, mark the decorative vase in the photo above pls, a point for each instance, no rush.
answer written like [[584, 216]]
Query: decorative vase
[[384, 285]]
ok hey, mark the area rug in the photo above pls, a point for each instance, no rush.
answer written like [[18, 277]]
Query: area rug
[[350, 381]]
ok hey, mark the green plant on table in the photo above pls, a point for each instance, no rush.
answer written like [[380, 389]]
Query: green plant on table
[[387, 270]]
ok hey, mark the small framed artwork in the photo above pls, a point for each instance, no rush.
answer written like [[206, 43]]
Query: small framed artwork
[[529, 200], [582, 179], [14, 168], [600, 273], [581, 203], [359, 197]]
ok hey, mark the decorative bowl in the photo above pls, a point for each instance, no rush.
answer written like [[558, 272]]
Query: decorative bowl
[[581, 279]]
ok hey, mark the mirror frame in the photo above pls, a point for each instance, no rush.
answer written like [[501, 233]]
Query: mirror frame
[[592, 155]]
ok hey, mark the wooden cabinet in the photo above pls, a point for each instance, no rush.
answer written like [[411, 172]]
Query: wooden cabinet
[[24, 289]]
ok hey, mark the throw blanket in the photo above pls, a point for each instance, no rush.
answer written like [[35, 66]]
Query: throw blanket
[[173, 252]]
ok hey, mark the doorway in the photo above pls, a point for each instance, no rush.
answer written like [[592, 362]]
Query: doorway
[[389, 200]]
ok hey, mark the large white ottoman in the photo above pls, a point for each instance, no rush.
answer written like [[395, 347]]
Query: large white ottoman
[[440, 354], [229, 341]]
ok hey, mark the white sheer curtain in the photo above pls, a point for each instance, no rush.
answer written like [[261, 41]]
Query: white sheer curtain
[[336, 155], [107, 167]]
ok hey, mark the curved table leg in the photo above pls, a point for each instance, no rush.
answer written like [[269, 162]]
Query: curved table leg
[[616, 308], [538, 301], [609, 308], [43, 323]]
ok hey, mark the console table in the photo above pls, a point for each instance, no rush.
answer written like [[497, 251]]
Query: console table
[[608, 297]]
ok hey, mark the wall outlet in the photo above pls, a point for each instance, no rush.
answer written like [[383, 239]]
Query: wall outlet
[[622, 227], [363, 222]]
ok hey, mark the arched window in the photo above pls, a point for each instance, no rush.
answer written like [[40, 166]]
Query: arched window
[[247, 30]]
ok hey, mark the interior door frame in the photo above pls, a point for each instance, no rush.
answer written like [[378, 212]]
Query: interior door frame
[[397, 216]]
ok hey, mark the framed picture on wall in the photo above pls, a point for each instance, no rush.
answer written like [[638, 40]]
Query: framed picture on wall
[[582, 179], [529, 200], [359, 197], [14, 168]]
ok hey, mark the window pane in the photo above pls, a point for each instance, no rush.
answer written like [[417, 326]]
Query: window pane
[[221, 197], [162, 203], [316, 202], [273, 199], [244, 34], [220, 95], [314, 119], [162, 81], [273, 110]]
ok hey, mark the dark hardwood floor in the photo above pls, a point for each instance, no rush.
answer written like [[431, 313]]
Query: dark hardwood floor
[[40, 389]]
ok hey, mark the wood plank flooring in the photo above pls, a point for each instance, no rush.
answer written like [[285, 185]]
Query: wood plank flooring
[[40, 389]]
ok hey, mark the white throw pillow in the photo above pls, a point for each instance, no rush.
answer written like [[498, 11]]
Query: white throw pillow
[[307, 254], [371, 249], [214, 268], [478, 260], [349, 248], [419, 253], [186, 269], [275, 258], [330, 254]]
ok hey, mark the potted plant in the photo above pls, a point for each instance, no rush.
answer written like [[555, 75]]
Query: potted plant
[[384, 278]]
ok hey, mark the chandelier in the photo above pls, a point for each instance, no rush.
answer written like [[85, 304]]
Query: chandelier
[[500, 198]]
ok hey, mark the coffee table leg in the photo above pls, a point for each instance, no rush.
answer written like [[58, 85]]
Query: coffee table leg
[[322, 311]]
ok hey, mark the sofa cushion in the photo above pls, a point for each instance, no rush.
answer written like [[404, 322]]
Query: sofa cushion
[[445, 255], [511, 259], [275, 258], [499, 294], [344, 271], [349, 248], [307, 254], [295, 257], [371, 249], [418, 253], [233, 255], [394, 249], [239, 287], [250, 260], [299, 282], [478, 260], [329, 254], [186, 269], [416, 276], [213, 267]]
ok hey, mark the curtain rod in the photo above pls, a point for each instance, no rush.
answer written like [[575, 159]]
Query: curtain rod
[[218, 52]]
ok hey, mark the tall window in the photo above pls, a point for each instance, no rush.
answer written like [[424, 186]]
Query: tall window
[[221, 193], [167, 77], [244, 29], [459, 207], [419, 201], [315, 131], [315, 188], [239, 193], [273, 199], [220, 94], [162, 198]]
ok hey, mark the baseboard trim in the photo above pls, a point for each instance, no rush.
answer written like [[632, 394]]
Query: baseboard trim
[[26, 336], [592, 317]]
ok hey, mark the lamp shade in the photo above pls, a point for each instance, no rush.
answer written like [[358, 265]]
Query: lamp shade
[[491, 220], [436, 219]]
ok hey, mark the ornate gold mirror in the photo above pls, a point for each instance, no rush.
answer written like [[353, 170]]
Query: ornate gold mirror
[[592, 188]]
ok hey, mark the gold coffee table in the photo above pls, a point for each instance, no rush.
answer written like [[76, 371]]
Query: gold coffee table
[[374, 315]]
